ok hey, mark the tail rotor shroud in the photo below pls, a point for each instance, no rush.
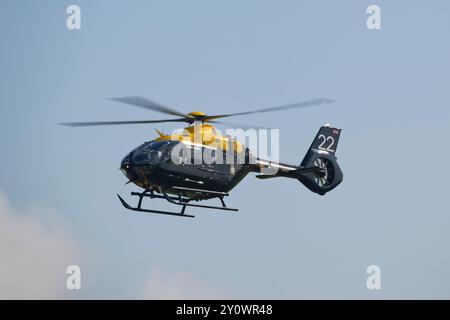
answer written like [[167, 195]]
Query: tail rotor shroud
[[321, 154]]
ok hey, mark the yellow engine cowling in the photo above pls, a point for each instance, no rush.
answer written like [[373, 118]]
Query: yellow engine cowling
[[204, 134]]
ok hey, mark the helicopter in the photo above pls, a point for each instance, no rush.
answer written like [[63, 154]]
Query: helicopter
[[169, 168]]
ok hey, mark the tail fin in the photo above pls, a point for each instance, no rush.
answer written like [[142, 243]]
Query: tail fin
[[321, 154]]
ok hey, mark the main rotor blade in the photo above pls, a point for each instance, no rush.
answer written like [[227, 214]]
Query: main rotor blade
[[303, 104], [239, 125], [106, 123], [149, 105]]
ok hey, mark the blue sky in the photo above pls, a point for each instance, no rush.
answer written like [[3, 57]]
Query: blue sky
[[391, 85]]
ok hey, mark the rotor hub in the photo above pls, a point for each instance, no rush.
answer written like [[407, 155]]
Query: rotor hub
[[196, 115]]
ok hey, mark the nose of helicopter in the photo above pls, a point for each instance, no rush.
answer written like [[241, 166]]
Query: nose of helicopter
[[127, 167]]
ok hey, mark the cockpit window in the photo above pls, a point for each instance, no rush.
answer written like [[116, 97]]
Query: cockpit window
[[158, 145], [150, 152]]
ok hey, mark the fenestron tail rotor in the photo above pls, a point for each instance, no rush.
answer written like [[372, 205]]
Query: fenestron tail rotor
[[326, 176], [189, 117]]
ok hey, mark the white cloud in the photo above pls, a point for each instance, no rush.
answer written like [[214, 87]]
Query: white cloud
[[178, 285], [35, 250]]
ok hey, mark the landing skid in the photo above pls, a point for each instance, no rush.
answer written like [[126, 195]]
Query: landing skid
[[181, 200]]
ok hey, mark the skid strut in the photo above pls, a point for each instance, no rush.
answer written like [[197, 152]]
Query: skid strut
[[181, 200]]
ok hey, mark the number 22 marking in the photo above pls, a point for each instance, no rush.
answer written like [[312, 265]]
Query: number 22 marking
[[325, 139]]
